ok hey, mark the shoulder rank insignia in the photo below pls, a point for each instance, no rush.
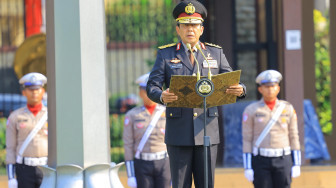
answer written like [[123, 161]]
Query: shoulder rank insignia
[[213, 45], [166, 46]]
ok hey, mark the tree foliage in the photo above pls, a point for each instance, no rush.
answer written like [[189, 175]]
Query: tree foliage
[[322, 71], [140, 21]]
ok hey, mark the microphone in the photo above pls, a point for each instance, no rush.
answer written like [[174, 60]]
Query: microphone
[[198, 72], [199, 48]]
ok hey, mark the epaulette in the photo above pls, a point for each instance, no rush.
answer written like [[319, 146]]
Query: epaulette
[[213, 45], [166, 46]]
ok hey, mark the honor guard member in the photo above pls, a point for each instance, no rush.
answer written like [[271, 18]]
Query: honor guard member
[[271, 148], [184, 126], [146, 157], [27, 135]]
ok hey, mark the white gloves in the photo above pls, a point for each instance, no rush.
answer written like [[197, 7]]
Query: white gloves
[[247, 159], [12, 183], [296, 156], [296, 171], [249, 174], [131, 182]]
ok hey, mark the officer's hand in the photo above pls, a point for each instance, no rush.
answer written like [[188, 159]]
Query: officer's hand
[[249, 174], [168, 97], [131, 182], [12, 183], [296, 171], [236, 90]]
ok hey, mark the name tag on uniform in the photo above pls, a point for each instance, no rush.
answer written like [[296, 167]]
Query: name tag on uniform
[[212, 63], [176, 66], [259, 115], [136, 120]]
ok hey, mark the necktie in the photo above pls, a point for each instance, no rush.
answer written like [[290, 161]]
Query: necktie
[[191, 57]]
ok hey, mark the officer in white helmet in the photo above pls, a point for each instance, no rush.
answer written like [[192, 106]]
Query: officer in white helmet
[[271, 148], [146, 157], [25, 150]]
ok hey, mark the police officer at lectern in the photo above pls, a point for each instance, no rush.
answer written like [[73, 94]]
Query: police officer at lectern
[[184, 126]]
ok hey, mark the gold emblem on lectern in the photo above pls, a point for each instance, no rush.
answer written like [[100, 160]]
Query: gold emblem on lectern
[[204, 87], [190, 9]]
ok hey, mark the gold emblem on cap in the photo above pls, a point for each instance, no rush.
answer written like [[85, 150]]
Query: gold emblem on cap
[[190, 9]]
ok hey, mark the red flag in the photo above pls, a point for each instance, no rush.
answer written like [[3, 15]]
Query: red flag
[[33, 17]]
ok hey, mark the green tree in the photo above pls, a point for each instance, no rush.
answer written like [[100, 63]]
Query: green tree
[[141, 22], [322, 71]]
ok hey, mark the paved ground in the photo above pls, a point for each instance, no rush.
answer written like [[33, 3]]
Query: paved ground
[[311, 177]]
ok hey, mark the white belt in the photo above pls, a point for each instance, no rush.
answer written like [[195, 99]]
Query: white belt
[[268, 152], [153, 156], [31, 161]]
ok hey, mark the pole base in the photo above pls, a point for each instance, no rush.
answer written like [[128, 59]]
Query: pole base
[[74, 176]]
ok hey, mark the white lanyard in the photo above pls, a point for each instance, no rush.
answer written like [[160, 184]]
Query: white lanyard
[[270, 124], [149, 130], [31, 135]]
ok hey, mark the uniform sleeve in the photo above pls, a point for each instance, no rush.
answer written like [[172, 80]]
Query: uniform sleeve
[[128, 138], [293, 131], [247, 130], [11, 134], [156, 79], [224, 64]]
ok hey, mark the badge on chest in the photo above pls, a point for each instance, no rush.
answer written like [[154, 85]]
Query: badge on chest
[[176, 66], [212, 62]]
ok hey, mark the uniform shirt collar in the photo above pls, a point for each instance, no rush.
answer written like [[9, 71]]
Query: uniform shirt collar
[[44, 108], [186, 48], [262, 101]]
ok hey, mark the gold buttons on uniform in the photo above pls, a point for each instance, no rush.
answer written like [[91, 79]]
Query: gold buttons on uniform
[[195, 114], [171, 114]]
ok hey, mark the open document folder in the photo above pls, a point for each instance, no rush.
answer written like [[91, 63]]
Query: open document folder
[[184, 88]]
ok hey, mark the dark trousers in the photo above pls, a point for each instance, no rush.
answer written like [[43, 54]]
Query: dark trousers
[[272, 172], [187, 162], [152, 174], [28, 176]]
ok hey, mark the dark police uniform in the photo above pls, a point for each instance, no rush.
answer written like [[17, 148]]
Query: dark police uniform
[[184, 126]]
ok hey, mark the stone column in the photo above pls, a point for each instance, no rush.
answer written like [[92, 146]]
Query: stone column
[[79, 148]]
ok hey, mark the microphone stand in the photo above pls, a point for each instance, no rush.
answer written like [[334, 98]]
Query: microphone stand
[[204, 88]]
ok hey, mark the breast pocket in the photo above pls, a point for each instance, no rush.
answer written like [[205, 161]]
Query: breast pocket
[[175, 68], [206, 70], [213, 112], [173, 112]]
